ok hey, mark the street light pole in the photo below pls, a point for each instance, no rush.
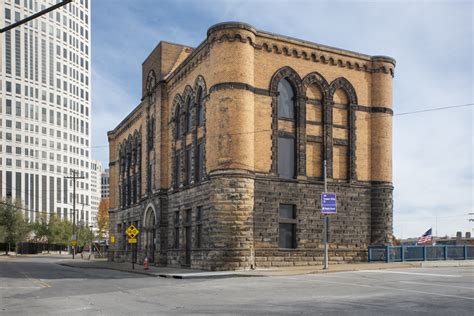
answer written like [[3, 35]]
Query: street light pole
[[92, 242], [74, 237]]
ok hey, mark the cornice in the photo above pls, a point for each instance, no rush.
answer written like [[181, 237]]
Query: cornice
[[272, 43], [126, 122]]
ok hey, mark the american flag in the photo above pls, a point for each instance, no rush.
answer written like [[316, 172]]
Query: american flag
[[425, 238]]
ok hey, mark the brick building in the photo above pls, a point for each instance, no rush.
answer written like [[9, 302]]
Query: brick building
[[221, 164]]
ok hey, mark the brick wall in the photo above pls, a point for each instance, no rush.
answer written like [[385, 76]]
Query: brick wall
[[344, 115]]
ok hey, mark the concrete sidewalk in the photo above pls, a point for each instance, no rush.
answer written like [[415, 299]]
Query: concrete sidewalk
[[165, 272], [182, 273]]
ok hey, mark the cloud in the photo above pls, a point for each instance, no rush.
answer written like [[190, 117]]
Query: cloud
[[431, 41]]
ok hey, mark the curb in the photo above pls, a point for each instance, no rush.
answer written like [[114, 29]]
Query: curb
[[277, 273], [180, 276], [207, 276], [109, 268]]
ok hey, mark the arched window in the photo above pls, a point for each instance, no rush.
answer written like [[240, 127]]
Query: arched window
[[199, 165], [288, 120], [200, 107], [340, 131], [286, 100], [178, 122], [343, 99], [177, 169], [316, 90], [150, 87], [286, 157], [188, 115], [188, 153], [286, 140]]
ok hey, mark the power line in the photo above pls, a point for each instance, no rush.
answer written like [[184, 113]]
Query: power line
[[430, 217], [435, 109], [368, 118]]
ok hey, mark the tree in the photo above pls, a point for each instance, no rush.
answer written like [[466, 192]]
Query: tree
[[103, 218], [52, 231], [59, 230], [13, 227], [42, 230], [85, 236]]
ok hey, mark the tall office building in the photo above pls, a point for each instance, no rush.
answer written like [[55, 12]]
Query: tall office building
[[45, 108], [105, 183], [96, 189]]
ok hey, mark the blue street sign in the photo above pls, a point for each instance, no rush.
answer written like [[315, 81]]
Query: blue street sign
[[328, 203]]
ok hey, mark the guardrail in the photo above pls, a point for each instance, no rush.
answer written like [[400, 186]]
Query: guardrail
[[420, 253]]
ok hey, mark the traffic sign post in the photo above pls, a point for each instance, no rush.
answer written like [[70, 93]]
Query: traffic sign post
[[328, 206], [328, 203], [133, 232], [73, 242]]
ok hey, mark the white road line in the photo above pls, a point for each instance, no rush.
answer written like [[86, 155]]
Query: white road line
[[410, 273], [396, 289], [442, 285], [19, 287]]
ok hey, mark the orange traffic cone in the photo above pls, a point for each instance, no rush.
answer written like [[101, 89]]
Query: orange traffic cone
[[145, 264]]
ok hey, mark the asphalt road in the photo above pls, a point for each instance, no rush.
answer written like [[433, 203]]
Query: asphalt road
[[39, 286]]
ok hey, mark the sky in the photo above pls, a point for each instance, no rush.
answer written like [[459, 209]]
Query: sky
[[432, 42]]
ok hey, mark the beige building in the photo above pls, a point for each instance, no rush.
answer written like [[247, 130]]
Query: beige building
[[221, 164]]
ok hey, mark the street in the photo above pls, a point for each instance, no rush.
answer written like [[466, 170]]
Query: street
[[40, 286]]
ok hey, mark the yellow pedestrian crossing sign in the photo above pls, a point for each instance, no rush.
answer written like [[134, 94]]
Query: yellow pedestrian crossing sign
[[132, 232]]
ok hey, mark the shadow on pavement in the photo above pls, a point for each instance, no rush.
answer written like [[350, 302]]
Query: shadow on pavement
[[50, 270]]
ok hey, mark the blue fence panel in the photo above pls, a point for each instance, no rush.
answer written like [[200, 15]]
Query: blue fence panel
[[414, 253], [420, 253], [470, 252], [455, 252], [435, 252], [395, 254], [377, 254]]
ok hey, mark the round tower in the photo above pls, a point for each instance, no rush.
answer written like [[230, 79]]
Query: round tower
[[230, 145], [381, 122], [381, 138], [230, 114]]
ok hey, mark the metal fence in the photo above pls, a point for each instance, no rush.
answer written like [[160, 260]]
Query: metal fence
[[420, 253], [34, 248]]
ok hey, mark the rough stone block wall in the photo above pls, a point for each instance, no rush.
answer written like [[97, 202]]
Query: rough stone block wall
[[231, 224], [382, 214], [350, 227], [180, 201]]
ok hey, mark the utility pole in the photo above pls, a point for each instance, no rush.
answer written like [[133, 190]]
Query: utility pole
[[74, 177], [326, 222]]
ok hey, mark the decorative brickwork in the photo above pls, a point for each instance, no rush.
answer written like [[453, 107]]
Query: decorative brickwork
[[210, 129]]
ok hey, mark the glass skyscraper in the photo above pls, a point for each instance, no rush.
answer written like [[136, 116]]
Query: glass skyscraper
[[45, 108]]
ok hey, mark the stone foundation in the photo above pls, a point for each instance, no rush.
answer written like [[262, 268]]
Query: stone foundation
[[240, 223]]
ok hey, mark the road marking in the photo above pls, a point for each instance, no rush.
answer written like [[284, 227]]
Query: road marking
[[396, 289], [35, 281], [410, 273], [19, 287], [433, 284]]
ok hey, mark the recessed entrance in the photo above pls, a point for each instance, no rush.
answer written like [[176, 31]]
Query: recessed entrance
[[149, 242]]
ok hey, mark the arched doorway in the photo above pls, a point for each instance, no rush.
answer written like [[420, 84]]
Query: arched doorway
[[149, 227]]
